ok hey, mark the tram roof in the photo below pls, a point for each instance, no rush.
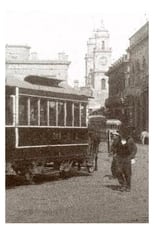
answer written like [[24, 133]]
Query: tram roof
[[48, 85]]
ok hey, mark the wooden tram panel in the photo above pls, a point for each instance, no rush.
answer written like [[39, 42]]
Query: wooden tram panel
[[34, 142]]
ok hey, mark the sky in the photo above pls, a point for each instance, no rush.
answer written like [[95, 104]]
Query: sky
[[66, 28]]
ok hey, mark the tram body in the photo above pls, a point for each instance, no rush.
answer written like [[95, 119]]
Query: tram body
[[45, 123]]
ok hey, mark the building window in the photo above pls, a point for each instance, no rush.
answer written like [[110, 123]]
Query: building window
[[144, 63], [133, 68], [137, 66], [103, 45], [103, 83], [92, 81], [127, 82]]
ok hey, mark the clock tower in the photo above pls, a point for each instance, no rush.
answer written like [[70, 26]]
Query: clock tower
[[97, 61]]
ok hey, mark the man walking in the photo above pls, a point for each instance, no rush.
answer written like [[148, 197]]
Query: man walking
[[124, 153]]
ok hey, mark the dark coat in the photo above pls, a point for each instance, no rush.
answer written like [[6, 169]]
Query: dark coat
[[132, 147]]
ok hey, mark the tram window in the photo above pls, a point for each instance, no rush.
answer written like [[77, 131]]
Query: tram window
[[103, 84], [76, 114], [33, 111], [43, 112], [83, 115], [69, 116], [23, 110], [52, 113], [9, 110], [60, 113]]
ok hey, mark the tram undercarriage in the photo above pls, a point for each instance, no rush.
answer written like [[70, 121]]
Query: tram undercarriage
[[60, 163]]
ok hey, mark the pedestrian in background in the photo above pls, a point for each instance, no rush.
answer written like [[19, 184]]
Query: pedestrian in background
[[94, 142], [116, 141]]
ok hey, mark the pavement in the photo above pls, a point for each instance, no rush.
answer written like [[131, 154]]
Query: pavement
[[83, 198]]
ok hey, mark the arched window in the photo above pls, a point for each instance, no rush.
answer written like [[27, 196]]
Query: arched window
[[103, 45], [103, 84], [133, 68]]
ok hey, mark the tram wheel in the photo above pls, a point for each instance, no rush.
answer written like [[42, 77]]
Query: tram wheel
[[91, 167], [64, 174], [29, 177]]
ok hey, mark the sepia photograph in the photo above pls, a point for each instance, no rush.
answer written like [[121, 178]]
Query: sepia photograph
[[76, 112]]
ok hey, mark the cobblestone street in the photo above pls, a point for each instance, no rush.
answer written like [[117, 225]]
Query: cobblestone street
[[83, 198]]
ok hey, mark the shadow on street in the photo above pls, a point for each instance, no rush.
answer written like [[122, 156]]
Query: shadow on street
[[113, 187], [12, 181]]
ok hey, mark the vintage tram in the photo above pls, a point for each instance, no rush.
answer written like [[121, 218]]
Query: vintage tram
[[46, 125]]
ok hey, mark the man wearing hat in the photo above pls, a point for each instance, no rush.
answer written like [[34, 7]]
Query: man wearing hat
[[122, 160], [116, 141]]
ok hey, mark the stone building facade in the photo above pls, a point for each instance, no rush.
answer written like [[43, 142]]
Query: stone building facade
[[20, 63], [118, 76], [129, 83], [97, 61], [138, 84]]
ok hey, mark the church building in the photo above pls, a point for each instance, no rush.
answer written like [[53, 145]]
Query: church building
[[97, 61]]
